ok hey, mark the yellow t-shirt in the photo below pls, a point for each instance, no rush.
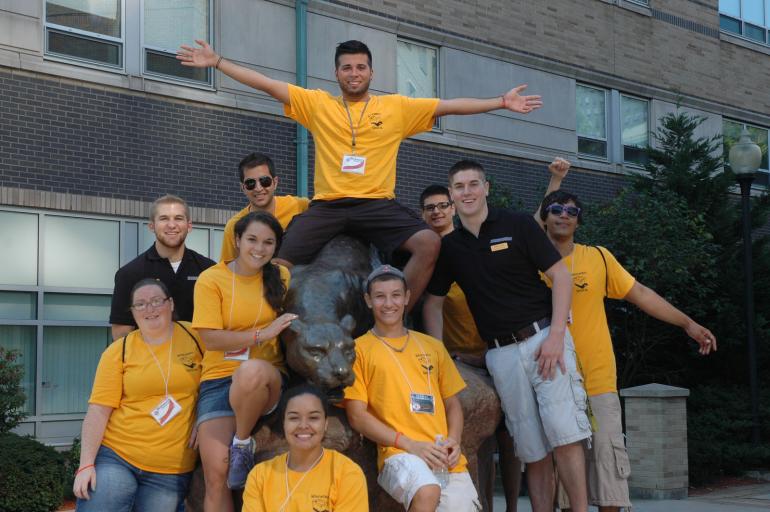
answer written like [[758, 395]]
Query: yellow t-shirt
[[336, 484], [225, 300], [589, 328], [460, 333], [286, 207], [386, 121], [134, 387], [381, 384]]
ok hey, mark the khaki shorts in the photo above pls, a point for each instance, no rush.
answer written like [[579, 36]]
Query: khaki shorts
[[607, 461], [404, 474], [540, 414]]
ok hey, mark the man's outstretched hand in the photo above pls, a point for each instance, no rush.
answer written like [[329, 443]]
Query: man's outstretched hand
[[202, 57], [515, 102]]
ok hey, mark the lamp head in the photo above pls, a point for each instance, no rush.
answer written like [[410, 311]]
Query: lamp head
[[745, 156]]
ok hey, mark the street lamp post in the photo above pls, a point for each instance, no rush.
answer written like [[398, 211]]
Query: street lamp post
[[745, 157]]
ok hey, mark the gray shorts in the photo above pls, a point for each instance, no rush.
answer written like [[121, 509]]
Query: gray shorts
[[540, 414]]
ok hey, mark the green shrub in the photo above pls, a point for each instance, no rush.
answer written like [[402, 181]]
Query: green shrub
[[31, 475], [11, 395], [71, 464]]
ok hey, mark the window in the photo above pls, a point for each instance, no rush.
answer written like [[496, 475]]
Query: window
[[731, 132], [634, 132], [86, 30], [169, 24], [102, 32], [747, 18], [417, 71], [591, 108], [56, 277]]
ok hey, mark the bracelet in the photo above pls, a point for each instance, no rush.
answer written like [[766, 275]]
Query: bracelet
[[84, 468], [256, 338], [395, 442], [216, 66]]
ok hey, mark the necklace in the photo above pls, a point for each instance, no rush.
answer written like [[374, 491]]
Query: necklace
[[388, 344], [232, 299], [304, 474]]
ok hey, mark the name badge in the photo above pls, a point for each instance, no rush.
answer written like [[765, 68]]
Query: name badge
[[353, 164], [499, 247], [422, 404], [237, 355], [166, 410]]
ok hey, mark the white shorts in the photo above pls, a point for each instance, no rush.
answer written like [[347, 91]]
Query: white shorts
[[404, 474], [540, 414]]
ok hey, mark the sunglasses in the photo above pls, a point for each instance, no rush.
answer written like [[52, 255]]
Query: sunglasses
[[441, 206], [558, 209], [251, 183]]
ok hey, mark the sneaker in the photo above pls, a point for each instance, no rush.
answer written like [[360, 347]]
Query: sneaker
[[241, 462]]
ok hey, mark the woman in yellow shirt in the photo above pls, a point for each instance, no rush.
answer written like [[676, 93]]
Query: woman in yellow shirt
[[309, 476], [237, 304], [134, 442]]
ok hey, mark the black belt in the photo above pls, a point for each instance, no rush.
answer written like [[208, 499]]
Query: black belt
[[522, 334]]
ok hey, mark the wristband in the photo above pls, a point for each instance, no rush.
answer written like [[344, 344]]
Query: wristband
[[395, 442], [84, 468], [216, 66]]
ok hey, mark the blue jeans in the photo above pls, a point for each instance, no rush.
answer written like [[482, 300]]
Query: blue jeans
[[121, 487]]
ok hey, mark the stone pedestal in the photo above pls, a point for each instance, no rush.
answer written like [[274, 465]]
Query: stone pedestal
[[656, 434]]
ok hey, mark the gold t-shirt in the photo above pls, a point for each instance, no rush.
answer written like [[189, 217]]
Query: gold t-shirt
[[460, 333]]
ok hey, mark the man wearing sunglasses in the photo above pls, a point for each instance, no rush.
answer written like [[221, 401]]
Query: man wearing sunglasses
[[597, 275], [357, 136], [258, 182]]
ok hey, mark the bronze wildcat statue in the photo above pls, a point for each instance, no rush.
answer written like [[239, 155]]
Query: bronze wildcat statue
[[327, 296]]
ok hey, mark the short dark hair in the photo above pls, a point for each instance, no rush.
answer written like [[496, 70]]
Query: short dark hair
[[274, 287], [303, 389], [351, 47], [254, 159], [560, 197], [149, 281], [466, 165], [433, 190], [168, 199]]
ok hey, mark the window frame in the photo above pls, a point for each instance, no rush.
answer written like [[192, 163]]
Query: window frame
[[764, 27], [437, 120], [607, 126], [620, 127]]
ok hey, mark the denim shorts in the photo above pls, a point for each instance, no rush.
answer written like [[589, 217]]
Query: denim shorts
[[214, 399], [122, 487]]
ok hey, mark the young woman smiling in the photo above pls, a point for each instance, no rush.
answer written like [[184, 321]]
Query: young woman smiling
[[309, 476], [237, 306]]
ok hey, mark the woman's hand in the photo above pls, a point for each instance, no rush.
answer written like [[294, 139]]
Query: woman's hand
[[83, 480], [276, 327]]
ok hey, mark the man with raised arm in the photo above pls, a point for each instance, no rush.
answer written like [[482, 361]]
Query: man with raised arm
[[495, 256], [357, 136], [597, 275]]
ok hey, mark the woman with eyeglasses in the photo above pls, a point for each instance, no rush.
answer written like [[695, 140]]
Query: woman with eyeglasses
[[237, 306], [134, 451], [309, 476]]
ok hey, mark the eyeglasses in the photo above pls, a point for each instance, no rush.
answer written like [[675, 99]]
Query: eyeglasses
[[251, 183], [441, 206], [155, 303], [558, 209]]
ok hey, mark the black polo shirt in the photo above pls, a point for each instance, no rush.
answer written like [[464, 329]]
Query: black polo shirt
[[149, 264], [498, 271]]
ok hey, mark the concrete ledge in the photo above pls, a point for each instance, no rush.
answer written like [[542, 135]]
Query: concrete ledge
[[638, 493], [654, 391]]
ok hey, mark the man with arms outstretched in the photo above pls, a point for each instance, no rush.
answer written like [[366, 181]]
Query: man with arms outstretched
[[357, 136]]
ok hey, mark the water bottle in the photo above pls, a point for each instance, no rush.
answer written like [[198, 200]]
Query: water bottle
[[441, 474]]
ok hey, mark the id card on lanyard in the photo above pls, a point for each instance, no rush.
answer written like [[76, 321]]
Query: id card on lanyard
[[166, 410], [352, 163]]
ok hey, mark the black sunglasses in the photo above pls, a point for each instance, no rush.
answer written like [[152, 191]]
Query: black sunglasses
[[251, 183], [558, 209]]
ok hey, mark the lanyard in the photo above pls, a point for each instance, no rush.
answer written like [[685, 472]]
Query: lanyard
[[290, 493], [167, 376], [401, 368], [350, 120], [232, 300]]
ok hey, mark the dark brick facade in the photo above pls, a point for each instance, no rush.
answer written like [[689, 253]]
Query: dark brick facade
[[61, 137]]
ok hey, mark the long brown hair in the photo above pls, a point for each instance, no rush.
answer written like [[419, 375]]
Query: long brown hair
[[274, 288]]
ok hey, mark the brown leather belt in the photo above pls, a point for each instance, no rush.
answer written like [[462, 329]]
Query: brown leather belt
[[522, 334]]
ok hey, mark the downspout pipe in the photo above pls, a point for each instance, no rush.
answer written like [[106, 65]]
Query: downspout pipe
[[300, 8]]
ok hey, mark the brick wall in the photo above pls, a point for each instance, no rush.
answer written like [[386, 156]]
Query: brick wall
[[59, 136]]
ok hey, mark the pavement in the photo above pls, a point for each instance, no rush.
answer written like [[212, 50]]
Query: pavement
[[743, 498]]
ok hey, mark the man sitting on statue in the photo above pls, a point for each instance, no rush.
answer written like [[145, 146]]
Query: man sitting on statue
[[404, 398], [357, 136]]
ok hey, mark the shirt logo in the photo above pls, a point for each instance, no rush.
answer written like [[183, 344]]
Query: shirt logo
[[375, 121], [320, 502], [581, 282]]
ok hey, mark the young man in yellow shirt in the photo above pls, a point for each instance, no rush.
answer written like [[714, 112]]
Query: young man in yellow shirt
[[357, 136], [596, 275], [259, 183], [404, 399]]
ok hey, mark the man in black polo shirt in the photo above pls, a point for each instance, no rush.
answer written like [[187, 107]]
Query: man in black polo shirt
[[495, 256], [167, 259]]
